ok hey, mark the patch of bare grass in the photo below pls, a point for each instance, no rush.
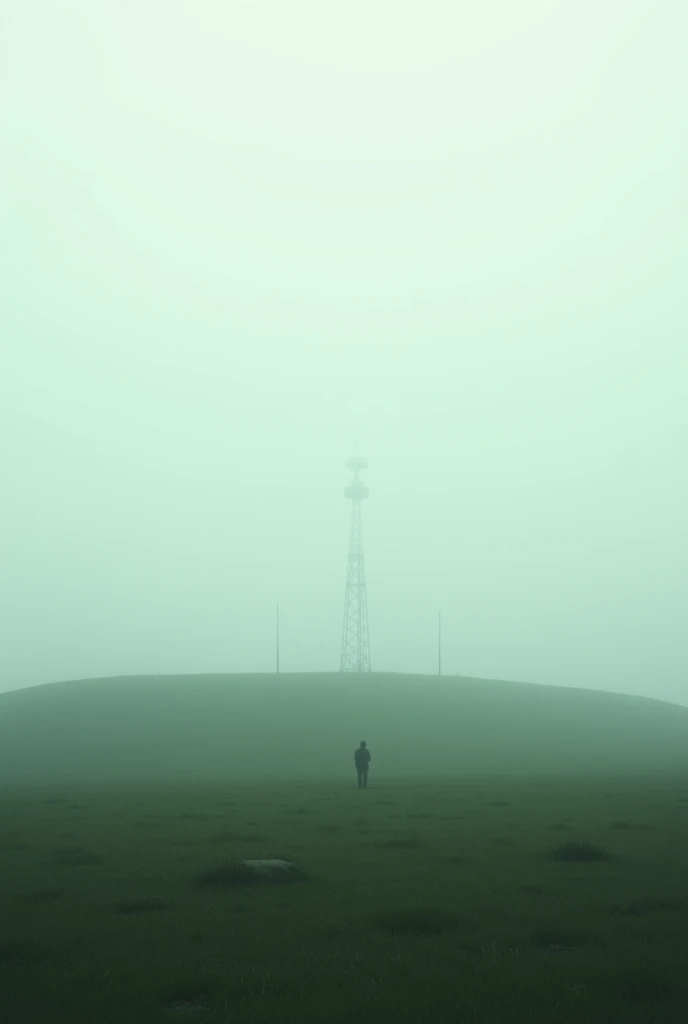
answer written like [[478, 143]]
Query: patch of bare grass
[[579, 850], [144, 905], [75, 856], [416, 921], [238, 837]]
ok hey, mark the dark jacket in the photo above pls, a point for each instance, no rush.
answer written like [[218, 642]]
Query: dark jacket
[[362, 758]]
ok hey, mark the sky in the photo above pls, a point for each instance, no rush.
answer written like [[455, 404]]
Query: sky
[[242, 241]]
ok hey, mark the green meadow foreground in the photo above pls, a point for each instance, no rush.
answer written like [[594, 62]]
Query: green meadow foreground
[[519, 856], [474, 900]]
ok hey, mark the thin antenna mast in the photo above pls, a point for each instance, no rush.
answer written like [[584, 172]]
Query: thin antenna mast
[[439, 643]]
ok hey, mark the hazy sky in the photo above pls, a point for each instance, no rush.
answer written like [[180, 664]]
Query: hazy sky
[[240, 238]]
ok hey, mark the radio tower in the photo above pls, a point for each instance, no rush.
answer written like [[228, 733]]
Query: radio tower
[[355, 639]]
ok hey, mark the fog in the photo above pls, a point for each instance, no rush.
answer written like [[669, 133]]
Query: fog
[[244, 240]]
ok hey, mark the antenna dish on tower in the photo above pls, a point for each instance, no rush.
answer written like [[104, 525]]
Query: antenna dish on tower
[[356, 490]]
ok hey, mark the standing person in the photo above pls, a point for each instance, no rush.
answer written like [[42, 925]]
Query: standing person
[[362, 760]]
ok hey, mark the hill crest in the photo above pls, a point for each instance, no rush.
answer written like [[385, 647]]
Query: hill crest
[[264, 726]]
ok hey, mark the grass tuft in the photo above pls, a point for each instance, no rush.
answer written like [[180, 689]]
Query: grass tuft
[[400, 843], [145, 905], [643, 908], [186, 998], [557, 940], [579, 850], [17, 951], [234, 837], [416, 921], [643, 986], [228, 874], [44, 895], [75, 856], [407, 840]]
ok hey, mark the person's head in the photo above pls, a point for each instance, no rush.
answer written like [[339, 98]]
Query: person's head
[[363, 743]]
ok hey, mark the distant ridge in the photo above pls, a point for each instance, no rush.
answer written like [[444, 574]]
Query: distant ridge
[[305, 726]]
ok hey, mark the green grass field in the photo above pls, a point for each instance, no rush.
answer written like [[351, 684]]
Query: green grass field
[[433, 900], [533, 869]]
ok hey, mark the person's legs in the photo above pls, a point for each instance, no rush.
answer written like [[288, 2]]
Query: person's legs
[[365, 778], [360, 777]]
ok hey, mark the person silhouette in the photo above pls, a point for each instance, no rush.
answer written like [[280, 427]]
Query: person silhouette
[[362, 760]]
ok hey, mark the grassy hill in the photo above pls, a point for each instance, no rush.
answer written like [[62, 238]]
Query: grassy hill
[[154, 728]]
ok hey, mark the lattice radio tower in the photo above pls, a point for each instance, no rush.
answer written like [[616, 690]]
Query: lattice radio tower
[[355, 638]]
